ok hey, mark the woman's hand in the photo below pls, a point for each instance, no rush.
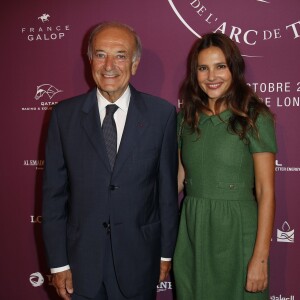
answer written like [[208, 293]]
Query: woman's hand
[[257, 275]]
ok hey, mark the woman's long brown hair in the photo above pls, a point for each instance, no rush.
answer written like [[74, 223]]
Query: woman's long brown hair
[[240, 99]]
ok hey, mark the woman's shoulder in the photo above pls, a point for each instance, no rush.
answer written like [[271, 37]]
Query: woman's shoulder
[[265, 118], [263, 139]]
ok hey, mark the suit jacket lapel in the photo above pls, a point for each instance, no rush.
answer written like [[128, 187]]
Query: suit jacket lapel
[[92, 126], [135, 125]]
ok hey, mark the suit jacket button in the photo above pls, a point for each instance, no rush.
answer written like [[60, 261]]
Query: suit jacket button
[[107, 227], [113, 187]]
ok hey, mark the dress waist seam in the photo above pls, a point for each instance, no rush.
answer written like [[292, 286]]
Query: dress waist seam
[[242, 198]]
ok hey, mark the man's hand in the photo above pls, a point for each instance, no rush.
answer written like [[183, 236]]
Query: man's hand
[[62, 281], [165, 267]]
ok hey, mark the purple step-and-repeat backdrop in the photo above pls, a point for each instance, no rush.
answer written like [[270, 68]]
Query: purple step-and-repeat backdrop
[[43, 62]]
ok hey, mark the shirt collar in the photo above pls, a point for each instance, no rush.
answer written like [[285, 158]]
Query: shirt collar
[[122, 102], [216, 119]]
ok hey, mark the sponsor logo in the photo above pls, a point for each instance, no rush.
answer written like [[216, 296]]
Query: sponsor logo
[[36, 219], [38, 164], [281, 168], [280, 297], [205, 16], [46, 88], [36, 279], [44, 18], [163, 286], [46, 30], [286, 235], [44, 93]]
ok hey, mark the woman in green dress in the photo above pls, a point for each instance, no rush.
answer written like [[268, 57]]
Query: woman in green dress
[[227, 149]]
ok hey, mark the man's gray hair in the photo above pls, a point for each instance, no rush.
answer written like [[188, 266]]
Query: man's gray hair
[[138, 45]]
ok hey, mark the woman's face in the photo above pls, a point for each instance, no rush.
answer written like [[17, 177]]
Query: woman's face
[[213, 74]]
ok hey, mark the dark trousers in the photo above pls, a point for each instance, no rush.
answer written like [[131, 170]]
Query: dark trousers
[[109, 288]]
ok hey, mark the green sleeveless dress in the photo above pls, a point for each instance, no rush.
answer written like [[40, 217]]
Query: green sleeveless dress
[[219, 213]]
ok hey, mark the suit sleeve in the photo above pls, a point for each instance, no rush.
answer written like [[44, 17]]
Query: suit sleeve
[[55, 197], [168, 187]]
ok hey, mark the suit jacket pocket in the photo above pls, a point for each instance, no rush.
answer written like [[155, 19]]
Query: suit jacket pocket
[[151, 231]]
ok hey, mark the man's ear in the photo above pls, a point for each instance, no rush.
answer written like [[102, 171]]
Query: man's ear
[[135, 66]]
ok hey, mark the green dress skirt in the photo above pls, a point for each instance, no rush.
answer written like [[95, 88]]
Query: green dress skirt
[[219, 213]]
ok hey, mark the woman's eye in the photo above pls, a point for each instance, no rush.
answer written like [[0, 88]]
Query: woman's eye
[[201, 68], [223, 66]]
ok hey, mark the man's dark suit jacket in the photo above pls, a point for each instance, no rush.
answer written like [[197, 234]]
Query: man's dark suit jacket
[[139, 197]]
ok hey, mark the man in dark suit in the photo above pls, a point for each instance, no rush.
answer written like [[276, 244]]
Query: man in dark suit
[[110, 220]]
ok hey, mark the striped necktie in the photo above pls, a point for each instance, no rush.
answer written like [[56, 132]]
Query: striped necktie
[[110, 133]]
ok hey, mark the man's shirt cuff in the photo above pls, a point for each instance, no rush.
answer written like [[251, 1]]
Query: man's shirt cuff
[[61, 269], [165, 259]]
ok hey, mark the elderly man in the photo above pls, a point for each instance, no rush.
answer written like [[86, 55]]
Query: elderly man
[[110, 209]]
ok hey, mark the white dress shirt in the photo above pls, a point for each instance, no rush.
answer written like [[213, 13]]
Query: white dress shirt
[[120, 114]]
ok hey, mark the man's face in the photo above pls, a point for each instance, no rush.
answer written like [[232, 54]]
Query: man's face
[[112, 61]]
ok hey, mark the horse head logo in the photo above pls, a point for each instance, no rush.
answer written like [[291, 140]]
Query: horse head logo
[[46, 88]]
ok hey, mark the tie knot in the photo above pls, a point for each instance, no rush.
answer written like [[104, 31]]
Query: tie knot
[[111, 109]]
